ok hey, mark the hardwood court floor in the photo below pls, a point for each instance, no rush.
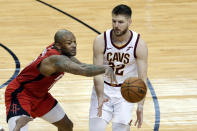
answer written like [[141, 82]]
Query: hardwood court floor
[[167, 26]]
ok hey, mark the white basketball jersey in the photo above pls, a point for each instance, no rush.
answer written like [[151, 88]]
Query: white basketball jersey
[[121, 59]]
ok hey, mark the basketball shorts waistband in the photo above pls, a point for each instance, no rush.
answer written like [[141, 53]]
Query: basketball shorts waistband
[[114, 85]]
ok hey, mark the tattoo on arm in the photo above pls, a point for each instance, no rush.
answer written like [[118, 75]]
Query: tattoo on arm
[[65, 64], [74, 59], [92, 70]]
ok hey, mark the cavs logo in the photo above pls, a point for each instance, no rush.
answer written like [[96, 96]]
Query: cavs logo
[[117, 56], [122, 58]]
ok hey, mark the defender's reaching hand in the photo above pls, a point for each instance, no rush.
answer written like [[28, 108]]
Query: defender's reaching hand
[[110, 73]]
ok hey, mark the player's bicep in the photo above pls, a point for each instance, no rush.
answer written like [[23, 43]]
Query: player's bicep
[[46, 67], [64, 64], [98, 50], [56, 64], [98, 53], [74, 59]]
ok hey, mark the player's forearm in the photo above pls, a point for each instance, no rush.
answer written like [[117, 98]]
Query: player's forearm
[[141, 103], [99, 85], [85, 70], [92, 70], [64, 64]]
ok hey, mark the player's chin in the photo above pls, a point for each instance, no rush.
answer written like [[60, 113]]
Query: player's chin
[[118, 33], [74, 53]]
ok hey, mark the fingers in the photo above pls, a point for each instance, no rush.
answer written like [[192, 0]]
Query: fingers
[[105, 100], [113, 78], [110, 73], [100, 104], [139, 117], [99, 114], [138, 123]]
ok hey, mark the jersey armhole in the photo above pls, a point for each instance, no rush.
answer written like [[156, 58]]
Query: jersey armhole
[[105, 39], [38, 63], [136, 43]]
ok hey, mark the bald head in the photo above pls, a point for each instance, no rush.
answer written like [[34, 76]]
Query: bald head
[[65, 42], [61, 35]]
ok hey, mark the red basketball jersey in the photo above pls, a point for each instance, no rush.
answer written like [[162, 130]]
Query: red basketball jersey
[[31, 81]]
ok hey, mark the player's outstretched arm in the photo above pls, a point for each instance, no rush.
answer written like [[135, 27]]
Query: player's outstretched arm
[[60, 63], [96, 61]]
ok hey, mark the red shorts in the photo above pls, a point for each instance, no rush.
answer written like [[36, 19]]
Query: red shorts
[[18, 102]]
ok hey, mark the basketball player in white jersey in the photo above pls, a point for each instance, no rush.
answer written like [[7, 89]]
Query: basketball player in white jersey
[[126, 52]]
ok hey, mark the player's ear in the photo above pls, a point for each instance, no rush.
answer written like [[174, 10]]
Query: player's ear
[[58, 45], [130, 21]]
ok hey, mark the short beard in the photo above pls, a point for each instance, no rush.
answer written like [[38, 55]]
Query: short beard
[[122, 33]]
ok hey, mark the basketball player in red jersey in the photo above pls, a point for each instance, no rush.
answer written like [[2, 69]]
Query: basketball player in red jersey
[[27, 96], [126, 52]]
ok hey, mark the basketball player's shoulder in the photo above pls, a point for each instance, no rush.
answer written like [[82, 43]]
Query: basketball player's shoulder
[[99, 43], [100, 37], [99, 40], [141, 43], [49, 55], [142, 49]]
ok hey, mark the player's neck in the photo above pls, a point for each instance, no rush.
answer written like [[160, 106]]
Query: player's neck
[[56, 47], [123, 39]]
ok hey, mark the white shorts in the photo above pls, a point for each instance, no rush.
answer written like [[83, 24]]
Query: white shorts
[[55, 114], [117, 108]]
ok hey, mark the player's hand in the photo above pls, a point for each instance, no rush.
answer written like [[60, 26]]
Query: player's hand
[[110, 73], [21, 122], [139, 114], [101, 100]]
